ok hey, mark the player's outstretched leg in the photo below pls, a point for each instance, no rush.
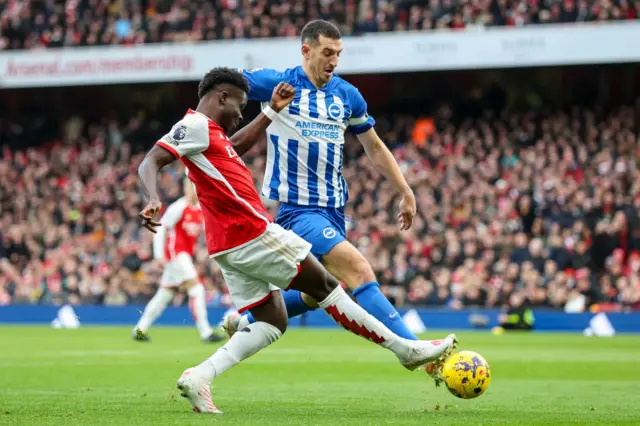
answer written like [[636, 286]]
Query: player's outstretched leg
[[152, 311], [349, 266], [271, 323], [198, 307], [317, 282]]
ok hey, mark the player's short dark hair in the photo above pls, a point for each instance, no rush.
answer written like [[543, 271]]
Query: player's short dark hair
[[222, 75], [313, 30]]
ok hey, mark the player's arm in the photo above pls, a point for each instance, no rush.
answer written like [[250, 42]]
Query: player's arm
[[246, 137], [262, 82], [386, 165], [361, 124], [148, 171], [189, 136]]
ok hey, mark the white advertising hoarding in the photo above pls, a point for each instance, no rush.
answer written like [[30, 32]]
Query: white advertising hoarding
[[541, 45]]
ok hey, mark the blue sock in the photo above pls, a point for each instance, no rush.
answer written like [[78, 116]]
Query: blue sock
[[294, 303], [373, 301]]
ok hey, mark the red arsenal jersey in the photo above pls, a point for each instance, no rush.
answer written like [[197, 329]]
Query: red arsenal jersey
[[233, 212]]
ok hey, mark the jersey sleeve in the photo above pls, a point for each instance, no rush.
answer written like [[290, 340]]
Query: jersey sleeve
[[360, 121], [187, 137], [262, 81]]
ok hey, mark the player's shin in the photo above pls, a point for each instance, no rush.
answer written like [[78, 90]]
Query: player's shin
[[245, 343], [154, 308], [353, 318], [198, 306], [373, 301], [411, 353]]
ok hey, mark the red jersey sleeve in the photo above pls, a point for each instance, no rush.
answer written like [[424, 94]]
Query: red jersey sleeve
[[188, 136]]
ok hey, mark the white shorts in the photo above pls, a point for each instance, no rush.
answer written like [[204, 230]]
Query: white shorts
[[270, 262], [178, 270]]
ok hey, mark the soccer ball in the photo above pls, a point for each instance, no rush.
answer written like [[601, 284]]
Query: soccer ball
[[466, 374]]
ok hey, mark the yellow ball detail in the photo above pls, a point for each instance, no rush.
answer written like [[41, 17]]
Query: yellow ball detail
[[466, 374]]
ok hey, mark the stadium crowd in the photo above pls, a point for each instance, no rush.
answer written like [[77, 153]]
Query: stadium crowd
[[30, 24], [542, 206]]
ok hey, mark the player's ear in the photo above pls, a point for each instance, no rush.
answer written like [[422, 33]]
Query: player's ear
[[306, 50], [223, 96]]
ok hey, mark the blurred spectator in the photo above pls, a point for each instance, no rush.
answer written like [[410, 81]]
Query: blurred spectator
[[29, 24], [532, 207], [518, 316]]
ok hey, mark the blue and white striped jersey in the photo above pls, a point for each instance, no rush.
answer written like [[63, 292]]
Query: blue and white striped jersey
[[306, 141]]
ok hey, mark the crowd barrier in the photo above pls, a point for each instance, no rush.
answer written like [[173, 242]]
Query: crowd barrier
[[432, 318]]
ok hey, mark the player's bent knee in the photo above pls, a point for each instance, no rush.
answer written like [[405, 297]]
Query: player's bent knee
[[314, 280], [362, 271], [349, 265]]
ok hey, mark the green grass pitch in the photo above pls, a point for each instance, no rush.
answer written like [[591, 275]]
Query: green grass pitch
[[99, 376]]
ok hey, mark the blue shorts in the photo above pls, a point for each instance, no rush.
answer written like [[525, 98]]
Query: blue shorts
[[322, 227]]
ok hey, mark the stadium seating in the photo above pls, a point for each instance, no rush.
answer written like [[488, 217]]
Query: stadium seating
[[71, 233], [27, 24]]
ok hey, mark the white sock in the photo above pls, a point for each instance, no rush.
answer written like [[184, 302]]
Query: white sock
[[241, 346], [154, 308], [198, 307], [353, 318]]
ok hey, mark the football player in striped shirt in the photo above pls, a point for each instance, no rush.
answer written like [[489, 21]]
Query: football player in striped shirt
[[304, 169]]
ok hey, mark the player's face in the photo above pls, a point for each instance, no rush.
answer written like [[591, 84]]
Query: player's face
[[323, 58], [232, 107]]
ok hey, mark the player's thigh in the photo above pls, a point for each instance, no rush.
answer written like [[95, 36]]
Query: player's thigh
[[318, 230], [246, 291], [348, 265], [274, 257]]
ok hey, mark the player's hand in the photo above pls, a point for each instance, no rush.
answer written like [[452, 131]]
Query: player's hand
[[149, 213], [407, 210], [281, 96]]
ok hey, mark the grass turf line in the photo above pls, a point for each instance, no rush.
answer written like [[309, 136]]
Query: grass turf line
[[99, 376]]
